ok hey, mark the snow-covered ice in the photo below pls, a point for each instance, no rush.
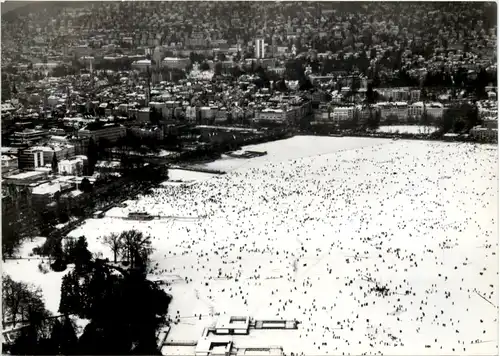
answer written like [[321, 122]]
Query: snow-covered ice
[[306, 238], [297, 147], [309, 230]]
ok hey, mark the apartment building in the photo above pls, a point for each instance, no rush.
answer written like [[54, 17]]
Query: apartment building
[[394, 109], [342, 113], [400, 94], [434, 110], [260, 48], [484, 134]]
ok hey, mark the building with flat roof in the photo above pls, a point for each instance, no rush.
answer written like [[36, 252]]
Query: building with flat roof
[[28, 137], [9, 164], [25, 178], [175, 62], [111, 132], [142, 65], [260, 48], [31, 158], [61, 151], [232, 325], [214, 346], [71, 166]]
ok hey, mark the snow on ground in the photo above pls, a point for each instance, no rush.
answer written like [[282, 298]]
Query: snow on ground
[[26, 249], [307, 237], [410, 129], [26, 270]]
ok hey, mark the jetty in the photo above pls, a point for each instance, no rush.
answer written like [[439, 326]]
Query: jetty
[[275, 324], [197, 169]]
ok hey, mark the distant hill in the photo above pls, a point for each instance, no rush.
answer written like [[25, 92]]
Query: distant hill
[[10, 5], [12, 8]]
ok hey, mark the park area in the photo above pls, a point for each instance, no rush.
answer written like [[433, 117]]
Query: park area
[[372, 245]]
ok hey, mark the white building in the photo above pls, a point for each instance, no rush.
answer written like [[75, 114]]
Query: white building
[[259, 48], [274, 115], [71, 166], [142, 65], [191, 114], [416, 110], [342, 113], [175, 62]]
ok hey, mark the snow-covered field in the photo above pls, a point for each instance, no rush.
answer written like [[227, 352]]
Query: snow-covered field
[[25, 268], [410, 129], [307, 231]]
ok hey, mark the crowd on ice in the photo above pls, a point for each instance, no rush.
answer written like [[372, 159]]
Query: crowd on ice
[[385, 248]]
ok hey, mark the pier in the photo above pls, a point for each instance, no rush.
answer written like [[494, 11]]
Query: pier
[[198, 169]]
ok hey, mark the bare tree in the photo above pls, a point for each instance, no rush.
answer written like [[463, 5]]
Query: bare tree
[[11, 299], [136, 245], [115, 242], [21, 302]]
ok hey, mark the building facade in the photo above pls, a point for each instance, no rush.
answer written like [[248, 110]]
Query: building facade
[[110, 132], [259, 48], [31, 158], [175, 62], [28, 137], [71, 166]]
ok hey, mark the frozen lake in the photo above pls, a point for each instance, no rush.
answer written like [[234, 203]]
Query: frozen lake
[[309, 230]]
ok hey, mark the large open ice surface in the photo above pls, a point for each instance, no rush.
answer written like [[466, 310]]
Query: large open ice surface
[[308, 231]]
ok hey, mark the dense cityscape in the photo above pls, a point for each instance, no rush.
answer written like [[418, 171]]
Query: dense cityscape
[[151, 152]]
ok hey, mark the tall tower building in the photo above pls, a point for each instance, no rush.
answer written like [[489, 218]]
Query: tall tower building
[[259, 48], [273, 47]]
